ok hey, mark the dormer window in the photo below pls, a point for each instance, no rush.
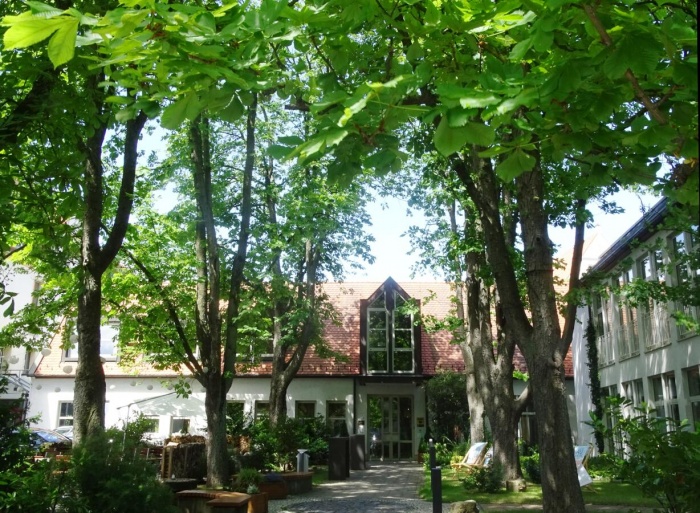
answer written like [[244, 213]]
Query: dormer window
[[109, 336], [390, 334]]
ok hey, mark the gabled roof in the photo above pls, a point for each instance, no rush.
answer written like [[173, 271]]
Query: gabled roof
[[438, 353]]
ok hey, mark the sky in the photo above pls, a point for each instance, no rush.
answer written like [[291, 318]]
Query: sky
[[392, 249]]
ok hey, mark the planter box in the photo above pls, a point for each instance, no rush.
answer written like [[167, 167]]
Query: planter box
[[298, 482], [275, 490]]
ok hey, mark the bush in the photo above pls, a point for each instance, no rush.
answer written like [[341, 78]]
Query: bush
[[662, 456], [446, 401], [605, 466], [276, 448], [484, 479], [444, 455], [102, 476], [531, 466], [247, 479]]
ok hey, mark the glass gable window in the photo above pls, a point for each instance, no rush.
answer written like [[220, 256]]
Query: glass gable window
[[390, 335], [109, 336]]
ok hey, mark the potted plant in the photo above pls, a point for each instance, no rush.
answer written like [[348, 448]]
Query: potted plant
[[248, 481]]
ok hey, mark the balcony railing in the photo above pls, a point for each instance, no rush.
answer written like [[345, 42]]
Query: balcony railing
[[606, 355], [693, 313], [655, 328], [627, 340]]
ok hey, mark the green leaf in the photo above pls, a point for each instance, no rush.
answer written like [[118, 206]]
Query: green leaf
[[175, 114], [515, 164], [279, 152], [353, 109], [519, 50], [381, 160], [480, 134], [449, 140], [30, 31], [232, 111], [62, 44]]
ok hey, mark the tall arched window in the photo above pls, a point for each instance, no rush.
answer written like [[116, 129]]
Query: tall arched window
[[391, 336]]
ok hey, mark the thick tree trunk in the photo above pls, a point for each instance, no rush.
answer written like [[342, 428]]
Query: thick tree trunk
[[544, 353], [477, 421], [90, 390], [477, 424], [539, 338], [217, 453]]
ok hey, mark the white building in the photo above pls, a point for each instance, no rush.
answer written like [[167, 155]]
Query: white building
[[645, 353]]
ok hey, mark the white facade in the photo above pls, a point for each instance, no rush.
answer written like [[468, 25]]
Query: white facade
[[644, 353], [17, 363]]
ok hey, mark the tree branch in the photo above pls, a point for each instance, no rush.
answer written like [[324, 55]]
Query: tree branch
[[651, 107]]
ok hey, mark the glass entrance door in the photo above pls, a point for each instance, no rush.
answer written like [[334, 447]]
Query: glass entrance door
[[390, 427]]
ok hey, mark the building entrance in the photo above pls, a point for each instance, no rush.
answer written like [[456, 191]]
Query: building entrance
[[390, 427]]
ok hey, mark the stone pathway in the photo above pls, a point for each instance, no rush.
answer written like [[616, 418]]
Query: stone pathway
[[382, 488]]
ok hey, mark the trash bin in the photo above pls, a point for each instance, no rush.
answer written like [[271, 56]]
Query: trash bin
[[357, 452], [338, 458], [302, 460]]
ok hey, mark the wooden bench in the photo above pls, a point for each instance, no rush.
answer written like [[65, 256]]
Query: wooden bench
[[212, 501]]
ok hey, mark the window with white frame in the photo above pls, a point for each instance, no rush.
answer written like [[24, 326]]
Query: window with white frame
[[692, 376], [235, 417], [335, 418], [653, 322], [109, 336], [603, 327], [614, 445], [390, 335], [65, 413], [180, 425], [305, 410], [625, 333], [634, 391], [684, 244], [664, 397]]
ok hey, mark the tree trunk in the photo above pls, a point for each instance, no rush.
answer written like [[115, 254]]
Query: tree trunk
[[90, 390], [544, 352], [538, 338], [477, 423], [217, 452]]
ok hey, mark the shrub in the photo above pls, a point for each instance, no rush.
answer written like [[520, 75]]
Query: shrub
[[605, 466], [484, 479], [446, 401], [102, 476], [276, 448], [444, 454], [531, 466], [111, 478], [246, 479], [662, 456]]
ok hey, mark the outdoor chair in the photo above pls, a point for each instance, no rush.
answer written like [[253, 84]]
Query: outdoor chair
[[581, 455], [473, 459]]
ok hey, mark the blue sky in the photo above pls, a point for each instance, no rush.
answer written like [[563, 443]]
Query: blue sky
[[391, 249]]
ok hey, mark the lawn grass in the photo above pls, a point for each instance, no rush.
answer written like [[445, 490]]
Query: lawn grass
[[320, 474], [599, 493]]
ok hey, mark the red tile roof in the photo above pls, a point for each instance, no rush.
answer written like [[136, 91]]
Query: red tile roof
[[343, 337]]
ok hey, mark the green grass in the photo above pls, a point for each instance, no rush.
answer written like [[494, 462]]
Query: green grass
[[600, 493], [320, 474]]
